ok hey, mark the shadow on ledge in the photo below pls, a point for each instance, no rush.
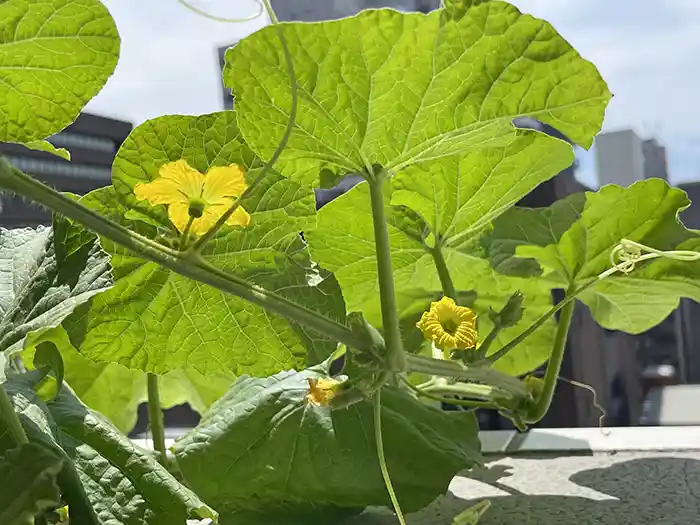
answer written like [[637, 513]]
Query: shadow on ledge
[[647, 490]]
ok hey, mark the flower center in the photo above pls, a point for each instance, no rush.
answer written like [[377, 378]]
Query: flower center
[[450, 326], [196, 209]]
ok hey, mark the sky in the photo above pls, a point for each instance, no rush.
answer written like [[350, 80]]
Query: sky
[[647, 50]]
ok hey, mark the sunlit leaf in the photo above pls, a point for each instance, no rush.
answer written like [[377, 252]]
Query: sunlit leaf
[[155, 320], [570, 243], [55, 55], [116, 391], [397, 89], [344, 244]]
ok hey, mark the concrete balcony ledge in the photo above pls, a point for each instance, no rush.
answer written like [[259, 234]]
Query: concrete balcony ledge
[[634, 475]]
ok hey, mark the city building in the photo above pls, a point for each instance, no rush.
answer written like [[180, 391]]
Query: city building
[[315, 10], [655, 163], [93, 142], [619, 158]]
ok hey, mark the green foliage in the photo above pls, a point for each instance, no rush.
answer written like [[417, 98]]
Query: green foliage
[[399, 89], [46, 275], [48, 358], [571, 241], [29, 483], [429, 100], [42, 145], [346, 248], [116, 391], [155, 320], [279, 459], [55, 55], [105, 475]]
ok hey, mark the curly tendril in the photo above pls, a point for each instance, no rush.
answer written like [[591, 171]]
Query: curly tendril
[[625, 256], [201, 12]]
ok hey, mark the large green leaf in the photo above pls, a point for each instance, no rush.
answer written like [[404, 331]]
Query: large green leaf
[[45, 274], [344, 244], [262, 454], [116, 391], [155, 320], [29, 483], [55, 55], [571, 241], [397, 89], [107, 479]]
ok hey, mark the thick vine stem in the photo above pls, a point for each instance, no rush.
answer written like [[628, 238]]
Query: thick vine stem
[[541, 406], [449, 368], [155, 418], [9, 419], [193, 267], [387, 295], [448, 286]]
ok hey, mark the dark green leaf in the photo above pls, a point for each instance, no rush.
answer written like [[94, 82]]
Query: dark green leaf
[[28, 486], [44, 277], [47, 356], [262, 451], [107, 477]]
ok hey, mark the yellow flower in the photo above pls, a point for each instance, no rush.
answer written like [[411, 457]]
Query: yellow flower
[[449, 326], [187, 193], [322, 391]]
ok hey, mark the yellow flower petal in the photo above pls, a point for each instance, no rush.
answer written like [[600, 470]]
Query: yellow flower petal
[[181, 187], [240, 217], [322, 391], [190, 182], [160, 191], [223, 181], [449, 326], [179, 214], [178, 182]]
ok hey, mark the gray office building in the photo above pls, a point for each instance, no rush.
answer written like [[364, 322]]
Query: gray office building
[[92, 141], [655, 163]]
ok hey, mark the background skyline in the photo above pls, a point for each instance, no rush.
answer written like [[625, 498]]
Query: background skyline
[[645, 50]]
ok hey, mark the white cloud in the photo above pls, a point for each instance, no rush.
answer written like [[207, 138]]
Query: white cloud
[[168, 61]]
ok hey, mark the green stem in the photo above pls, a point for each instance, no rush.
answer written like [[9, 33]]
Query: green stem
[[534, 326], [473, 391], [387, 296], [449, 368], [203, 13], [382, 458], [186, 234], [199, 244], [155, 418], [271, 12], [541, 406], [451, 401], [186, 265], [448, 286], [9, 419]]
